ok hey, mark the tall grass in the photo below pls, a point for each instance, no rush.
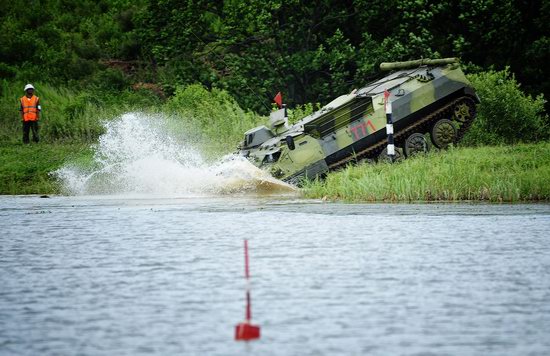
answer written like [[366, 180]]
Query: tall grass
[[511, 174], [68, 115], [212, 116], [76, 115]]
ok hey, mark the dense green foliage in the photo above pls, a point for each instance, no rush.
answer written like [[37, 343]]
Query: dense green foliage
[[312, 51], [213, 117], [64, 40], [506, 114], [512, 173], [315, 51]]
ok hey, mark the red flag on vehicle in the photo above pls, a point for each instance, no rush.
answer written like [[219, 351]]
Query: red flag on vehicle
[[278, 99], [386, 98]]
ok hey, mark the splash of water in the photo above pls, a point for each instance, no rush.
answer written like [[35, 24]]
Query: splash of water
[[137, 155]]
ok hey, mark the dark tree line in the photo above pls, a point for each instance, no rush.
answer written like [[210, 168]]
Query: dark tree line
[[316, 50], [310, 50]]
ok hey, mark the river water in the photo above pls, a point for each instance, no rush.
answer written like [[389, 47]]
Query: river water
[[129, 275]]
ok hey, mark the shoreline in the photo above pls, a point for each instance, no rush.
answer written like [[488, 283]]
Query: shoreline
[[498, 174], [487, 174]]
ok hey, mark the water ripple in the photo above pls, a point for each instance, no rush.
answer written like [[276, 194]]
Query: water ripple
[[132, 276]]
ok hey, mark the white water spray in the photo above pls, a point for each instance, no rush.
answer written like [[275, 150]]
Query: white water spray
[[137, 155]]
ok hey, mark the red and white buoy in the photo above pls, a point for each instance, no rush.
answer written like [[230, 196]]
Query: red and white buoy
[[246, 331]]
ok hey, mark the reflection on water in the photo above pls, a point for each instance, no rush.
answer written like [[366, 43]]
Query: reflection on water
[[143, 275]]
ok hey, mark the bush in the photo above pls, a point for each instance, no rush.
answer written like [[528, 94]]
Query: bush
[[213, 117], [301, 111], [110, 79], [7, 71], [506, 114]]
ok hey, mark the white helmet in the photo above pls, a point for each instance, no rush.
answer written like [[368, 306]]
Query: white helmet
[[28, 86]]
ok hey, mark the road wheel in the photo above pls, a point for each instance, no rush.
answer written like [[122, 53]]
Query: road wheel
[[443, 133], [463, 112], [415, 144]]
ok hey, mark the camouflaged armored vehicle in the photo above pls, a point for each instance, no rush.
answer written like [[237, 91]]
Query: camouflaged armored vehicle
[[431, 100]]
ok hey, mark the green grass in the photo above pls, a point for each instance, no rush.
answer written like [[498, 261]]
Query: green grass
[[69, 115], [497, 174], [213, 117], [25, 169]]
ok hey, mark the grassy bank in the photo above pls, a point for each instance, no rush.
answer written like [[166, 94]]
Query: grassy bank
[[25, 169], [214, 123], [496, 174]]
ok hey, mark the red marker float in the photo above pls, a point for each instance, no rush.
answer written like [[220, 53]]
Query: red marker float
[[245, 330]]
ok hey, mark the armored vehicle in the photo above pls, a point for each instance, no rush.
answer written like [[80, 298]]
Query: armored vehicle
[[430, 100]]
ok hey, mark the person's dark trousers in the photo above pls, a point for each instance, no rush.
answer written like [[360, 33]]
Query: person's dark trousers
[[27, 127]]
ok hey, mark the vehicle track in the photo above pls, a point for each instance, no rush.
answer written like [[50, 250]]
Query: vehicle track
[[423, 125]]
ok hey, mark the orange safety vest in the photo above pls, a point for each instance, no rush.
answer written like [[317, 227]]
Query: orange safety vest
[[29, 106]]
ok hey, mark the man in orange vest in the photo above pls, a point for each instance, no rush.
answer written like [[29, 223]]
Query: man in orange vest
[[30, 113]]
